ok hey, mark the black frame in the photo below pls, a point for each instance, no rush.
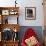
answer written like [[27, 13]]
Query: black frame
[[29, 10]]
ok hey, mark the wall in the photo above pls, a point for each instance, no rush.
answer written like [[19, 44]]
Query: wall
[[37, 29], [27, 3], [39, 12]]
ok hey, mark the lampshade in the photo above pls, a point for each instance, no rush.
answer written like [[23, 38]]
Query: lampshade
[[15, 3], [15, 30]]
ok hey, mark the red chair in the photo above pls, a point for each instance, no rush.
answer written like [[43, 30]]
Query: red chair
[[29, 33]]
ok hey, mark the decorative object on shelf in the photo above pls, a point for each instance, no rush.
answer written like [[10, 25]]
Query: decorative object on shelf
[[30, 13], [7, 34], [15, 34], [15, 3], [6, 21], [42, 3], [15, 30], [9, 10], [5, 12], [15, 37], [13, 12]]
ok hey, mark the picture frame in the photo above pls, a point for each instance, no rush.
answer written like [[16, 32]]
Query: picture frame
[[5, 12], [11, 12], [30, 13]]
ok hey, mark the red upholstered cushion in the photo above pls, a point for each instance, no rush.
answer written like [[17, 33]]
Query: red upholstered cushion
[[29, 33]]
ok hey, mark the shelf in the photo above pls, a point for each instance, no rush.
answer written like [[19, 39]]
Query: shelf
[[10, 26], [11, 41], [4, 8], [5, 12], [9, 10]]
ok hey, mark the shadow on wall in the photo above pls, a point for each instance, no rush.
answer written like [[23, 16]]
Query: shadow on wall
[[37, 29]]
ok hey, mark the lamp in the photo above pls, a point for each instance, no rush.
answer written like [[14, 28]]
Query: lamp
[[15, 35], [15, 3], [15, 30]]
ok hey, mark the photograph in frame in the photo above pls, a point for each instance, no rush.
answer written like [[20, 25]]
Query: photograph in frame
[[30, 13]]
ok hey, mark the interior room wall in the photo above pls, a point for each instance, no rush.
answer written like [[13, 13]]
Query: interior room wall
[[26, 3], [39, 12]]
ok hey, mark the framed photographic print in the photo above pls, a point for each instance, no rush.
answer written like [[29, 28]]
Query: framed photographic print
[[30, 13], [5, 12]]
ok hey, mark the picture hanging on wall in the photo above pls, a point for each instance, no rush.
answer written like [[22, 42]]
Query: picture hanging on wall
[[30, 13]]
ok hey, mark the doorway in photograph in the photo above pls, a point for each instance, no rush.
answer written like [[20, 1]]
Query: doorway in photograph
[[30, 13]]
